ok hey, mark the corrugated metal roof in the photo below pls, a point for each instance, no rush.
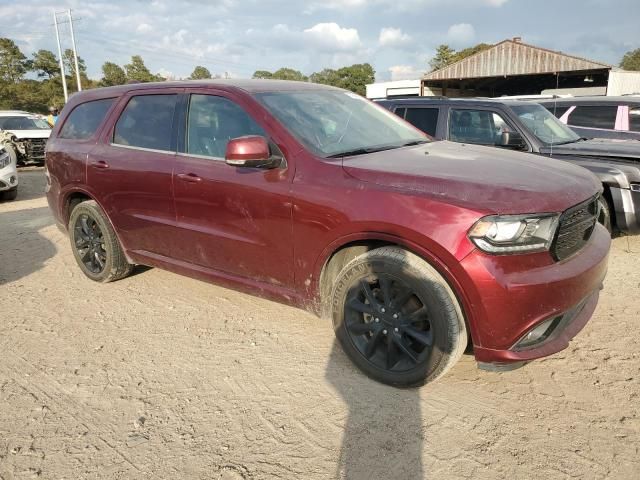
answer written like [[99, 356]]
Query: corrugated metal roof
[[511, 57]]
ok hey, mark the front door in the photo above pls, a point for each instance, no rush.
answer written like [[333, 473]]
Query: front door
[[231, 219]]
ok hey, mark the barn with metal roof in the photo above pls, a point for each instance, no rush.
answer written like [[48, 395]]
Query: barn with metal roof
[[512, 67]]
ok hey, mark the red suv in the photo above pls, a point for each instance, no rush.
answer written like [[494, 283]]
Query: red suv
[[318, 198]]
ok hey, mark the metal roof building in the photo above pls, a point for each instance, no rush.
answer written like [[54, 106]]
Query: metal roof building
[[515, 68]]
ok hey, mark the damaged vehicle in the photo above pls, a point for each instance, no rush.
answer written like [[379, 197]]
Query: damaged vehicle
[[25, 134], [8, 175]]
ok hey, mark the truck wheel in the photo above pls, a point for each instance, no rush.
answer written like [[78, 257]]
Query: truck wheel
[[10, 194], [397, 318], [95, 245], [604, 217]]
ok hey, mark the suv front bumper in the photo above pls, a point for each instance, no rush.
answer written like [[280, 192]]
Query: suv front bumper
[[8, 178], [514, 294]]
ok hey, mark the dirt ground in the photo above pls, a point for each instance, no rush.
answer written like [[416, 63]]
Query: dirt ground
[[161, 376]]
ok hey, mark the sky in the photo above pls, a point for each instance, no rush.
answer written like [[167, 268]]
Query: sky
[[237, 37]]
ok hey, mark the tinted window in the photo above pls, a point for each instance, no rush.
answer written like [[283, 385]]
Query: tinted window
[[85, 119], [146, 122], [476, 126], [426, 119], [634, 119], [558, 110], [400, 112], [594, 117], [213, 121]]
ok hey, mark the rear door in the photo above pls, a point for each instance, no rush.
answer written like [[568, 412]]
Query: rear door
[[234, 220], [130, 171]]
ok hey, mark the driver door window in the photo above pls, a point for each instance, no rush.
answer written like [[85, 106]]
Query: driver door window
[[212, 122], [481, 127]]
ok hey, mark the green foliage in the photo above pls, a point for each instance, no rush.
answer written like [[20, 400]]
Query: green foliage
[[445, 55], [200, 73], [289, 74], [112, 74], [354, 77], [262, 74], [45, 63], [137, 71], [631, 60], [13, 63]]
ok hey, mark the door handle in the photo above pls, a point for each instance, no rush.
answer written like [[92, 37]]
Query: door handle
[[100, 164], [189, 177]]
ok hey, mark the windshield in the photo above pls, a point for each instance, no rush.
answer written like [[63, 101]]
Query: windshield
[[23, 123], [332, 123], [544, 125]]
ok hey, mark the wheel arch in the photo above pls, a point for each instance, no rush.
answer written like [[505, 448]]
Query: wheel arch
[[345, 249]]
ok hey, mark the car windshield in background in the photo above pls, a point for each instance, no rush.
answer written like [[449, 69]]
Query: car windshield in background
[[23, 123], [544, 125], [336, 123]]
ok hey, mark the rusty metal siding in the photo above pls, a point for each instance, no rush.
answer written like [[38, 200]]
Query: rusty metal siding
[[513, 58]]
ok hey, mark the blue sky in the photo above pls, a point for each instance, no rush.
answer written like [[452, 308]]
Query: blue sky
[[398, 37]]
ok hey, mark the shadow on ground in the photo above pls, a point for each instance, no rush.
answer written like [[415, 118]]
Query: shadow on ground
[[23, 249], [383, 435]]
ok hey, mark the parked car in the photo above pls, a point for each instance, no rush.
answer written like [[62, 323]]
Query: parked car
[[24, 133], [528, 127], [318, 198], [599, 117], [8, 175]]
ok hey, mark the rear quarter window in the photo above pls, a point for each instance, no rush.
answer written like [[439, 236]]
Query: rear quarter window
[[426, 119], [594, 116], [84, 119]]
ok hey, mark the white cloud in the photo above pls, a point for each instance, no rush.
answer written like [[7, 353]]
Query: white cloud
[[331, 37], [392, 37], [461, 34], [144, 28], [405, 72]]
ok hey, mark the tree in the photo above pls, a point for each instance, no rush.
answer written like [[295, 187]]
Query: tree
[[112, 74], [137, 71], [70, 65], [262, 74], [13, 63], [327, 76], [443, 57], [354, 77], [289, 74], [45, 63], [467, 52], [631, 60], [199, 73]]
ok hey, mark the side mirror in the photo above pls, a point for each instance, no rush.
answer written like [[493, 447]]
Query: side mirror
[[250, 151], [511, 140]]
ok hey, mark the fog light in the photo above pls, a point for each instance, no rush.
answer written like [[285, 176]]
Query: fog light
[[12, 180], [538, 334]]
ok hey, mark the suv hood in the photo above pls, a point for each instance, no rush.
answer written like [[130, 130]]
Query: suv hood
[[603, 148], [22, 134], [485, 179]]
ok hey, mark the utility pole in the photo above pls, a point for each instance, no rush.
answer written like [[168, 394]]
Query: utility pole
[[75, 51], [64, 80]]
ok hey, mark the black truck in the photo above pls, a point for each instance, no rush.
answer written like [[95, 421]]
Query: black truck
[[529, 127]]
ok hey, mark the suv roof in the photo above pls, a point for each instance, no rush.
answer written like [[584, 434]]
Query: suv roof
[[14, 113], [455, 101], [612, 100]]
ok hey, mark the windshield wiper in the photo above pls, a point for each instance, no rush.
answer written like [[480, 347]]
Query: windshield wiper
[[364, 151]]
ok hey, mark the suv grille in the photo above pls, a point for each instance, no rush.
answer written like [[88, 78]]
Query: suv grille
[[575, 229], [34, 148]]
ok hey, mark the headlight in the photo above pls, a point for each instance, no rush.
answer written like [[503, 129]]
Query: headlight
[[5, 159], [501, 234]]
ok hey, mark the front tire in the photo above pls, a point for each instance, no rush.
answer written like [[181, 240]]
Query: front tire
[[95, 245], [397, 318], [604, 216], [10, 194]]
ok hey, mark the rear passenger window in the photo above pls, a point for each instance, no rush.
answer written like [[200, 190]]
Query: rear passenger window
[[594, 117], [426, 119], [634, 119], [85, 119], [146, 122], [558, 110], [400, 112]]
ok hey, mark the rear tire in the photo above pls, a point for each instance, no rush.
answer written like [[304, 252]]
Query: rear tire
[[397, 318], [95, 245]]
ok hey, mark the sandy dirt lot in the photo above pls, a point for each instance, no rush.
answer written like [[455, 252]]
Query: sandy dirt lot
[[161, 376]]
